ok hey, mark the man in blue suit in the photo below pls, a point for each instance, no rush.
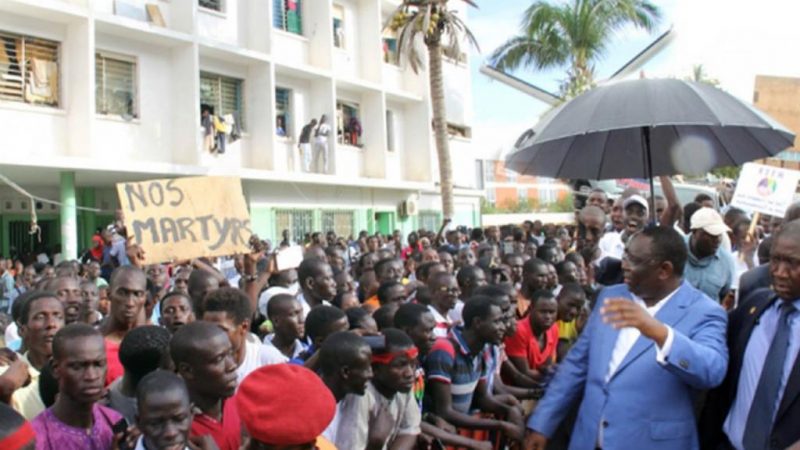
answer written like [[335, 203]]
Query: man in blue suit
[[648, 347]]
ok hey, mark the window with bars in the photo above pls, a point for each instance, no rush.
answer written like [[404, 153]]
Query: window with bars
[[115, 86], [29, 69], [299, 222], [224, 95], [287, 15], [429, 220], [215, 5], [338, 221], [283, 105]]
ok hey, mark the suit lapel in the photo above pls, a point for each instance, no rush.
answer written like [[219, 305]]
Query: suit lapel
[[792, 389], [670, 314]]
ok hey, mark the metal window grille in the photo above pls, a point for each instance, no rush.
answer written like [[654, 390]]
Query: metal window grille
[[224, 94], [287, 15], [29, 69], [283, 108], [429, 220], [338, 221], [299, 222], [115, 86], [215, 5]]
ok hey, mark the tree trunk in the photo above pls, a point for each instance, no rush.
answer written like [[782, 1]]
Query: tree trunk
[[440, 127]]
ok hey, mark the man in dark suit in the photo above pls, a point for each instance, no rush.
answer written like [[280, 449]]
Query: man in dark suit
[[758, 277], [758, 405]]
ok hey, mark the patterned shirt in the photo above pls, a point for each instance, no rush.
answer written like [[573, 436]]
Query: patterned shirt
[[53, 434], [452, 362]]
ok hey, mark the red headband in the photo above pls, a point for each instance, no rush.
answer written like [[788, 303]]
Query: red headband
[[387, 358], [18, 439]]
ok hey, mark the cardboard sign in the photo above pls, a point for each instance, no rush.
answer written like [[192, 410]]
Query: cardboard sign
[[186, 218], [765, 189]]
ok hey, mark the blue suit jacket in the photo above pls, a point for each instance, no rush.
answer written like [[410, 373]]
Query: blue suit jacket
[[644, 405]]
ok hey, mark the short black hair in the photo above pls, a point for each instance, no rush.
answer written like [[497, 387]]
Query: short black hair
[[277, 301], [424, 269], [309, 268], [396, 339], [188, 338], [383, 290], [574, 289], [408, 315], [478, 306], [688, 211], [540, 294], [561, 266], [10, 421], [355, 316], [508, 256], [787, 229], [340, 350], [378, 267], [48, 384], [319, 318], [467, 273], [542, 251], [158, 382], [70, 332], [384, 316], [142, 350], [574, 258], [702, 197], [232, 301], [121, 270], [667, 245], [532, 264], [26, 302], [171, 294], [492, 290]]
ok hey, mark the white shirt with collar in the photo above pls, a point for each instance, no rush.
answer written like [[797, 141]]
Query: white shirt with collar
[[306, 307], [628, 336]]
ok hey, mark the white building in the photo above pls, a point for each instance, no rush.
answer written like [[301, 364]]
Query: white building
[[94, 92]]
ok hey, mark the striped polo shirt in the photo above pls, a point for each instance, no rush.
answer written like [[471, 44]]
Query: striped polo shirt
[[450, 361], [443, 323]]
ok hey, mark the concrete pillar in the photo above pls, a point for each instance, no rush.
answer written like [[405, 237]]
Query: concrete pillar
[[69, 217]]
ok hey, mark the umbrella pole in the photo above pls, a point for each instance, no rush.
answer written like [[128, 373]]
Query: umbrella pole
[[649, 171]]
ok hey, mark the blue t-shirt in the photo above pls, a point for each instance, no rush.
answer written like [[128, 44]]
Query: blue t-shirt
[[450, 361]]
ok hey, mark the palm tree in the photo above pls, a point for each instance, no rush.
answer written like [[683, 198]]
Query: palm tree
[[441, 30], [573, 34]]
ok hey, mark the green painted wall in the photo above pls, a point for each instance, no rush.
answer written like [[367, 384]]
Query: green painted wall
[[262, 222]]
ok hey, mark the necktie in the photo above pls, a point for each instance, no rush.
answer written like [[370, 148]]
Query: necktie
[[762, 410]]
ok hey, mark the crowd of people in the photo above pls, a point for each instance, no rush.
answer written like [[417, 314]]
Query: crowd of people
[[677, 329]]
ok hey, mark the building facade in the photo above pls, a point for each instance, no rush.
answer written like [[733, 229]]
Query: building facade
[[508, 191], [96, 92], [780, 98]]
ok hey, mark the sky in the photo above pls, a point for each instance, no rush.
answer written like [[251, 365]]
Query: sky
[[733, 39]]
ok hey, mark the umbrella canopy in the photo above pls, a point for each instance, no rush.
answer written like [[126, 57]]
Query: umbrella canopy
[[646, 128]]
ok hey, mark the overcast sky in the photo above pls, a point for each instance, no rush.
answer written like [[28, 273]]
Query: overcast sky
[[733, 40]]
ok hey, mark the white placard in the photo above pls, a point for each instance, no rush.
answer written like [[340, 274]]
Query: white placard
[[289, 258], [765, 189]]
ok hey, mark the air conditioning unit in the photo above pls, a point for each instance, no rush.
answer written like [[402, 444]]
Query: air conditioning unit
[[409, 208]]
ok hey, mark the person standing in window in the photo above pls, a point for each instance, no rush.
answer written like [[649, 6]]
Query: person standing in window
[[304, 144], [321, 144]]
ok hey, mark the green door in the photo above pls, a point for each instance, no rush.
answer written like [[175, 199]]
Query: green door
[[385, 222]]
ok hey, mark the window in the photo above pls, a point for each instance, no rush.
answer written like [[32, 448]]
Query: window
[[299, 222], [390, 55], [511, 176], [522, 194], [488, 171], [341, 222], [215, 5], [491, 196], [223, 95], [283, 123], [390, 143], [338, 26], [115, 86], [288, 15], [429, 220], [28, 70], [459, 131], [348, 124]]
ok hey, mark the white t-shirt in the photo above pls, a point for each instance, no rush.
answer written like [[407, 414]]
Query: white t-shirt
[[263, 299], [272, 355], [455, 314], [256, 354], [611, 245], [322, 134]]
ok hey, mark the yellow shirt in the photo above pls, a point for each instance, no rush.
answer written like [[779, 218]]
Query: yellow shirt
[[567, 330], [26, 400]]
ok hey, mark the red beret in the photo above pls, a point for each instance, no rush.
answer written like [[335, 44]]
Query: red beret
[[285, 404]]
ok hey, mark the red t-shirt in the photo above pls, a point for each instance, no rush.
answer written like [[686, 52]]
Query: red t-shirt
[[97, 249], [114, 368], [524, 344], [226, 434]]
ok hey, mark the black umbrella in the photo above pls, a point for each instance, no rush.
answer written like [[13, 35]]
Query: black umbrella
[[647, 128]]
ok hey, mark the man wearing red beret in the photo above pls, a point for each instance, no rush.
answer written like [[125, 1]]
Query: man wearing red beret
[[285, 406]]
